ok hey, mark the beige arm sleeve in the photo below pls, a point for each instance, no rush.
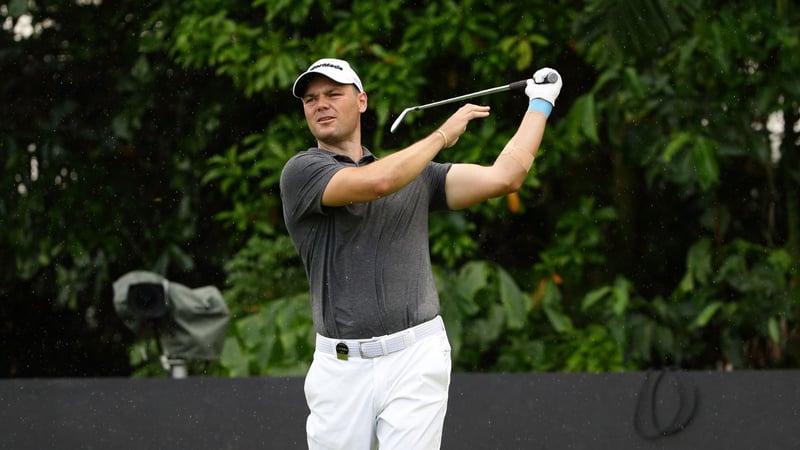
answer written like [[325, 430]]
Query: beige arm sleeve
[[522, 157]]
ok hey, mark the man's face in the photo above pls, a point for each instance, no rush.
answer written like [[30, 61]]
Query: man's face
[[333, 110]]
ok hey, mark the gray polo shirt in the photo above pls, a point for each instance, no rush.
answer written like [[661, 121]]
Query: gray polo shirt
[[368, 264]]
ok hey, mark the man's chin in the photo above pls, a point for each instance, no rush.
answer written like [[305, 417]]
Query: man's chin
[[328, 138]]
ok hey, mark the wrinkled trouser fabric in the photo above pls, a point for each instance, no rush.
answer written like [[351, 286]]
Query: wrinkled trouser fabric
[[392, 402]]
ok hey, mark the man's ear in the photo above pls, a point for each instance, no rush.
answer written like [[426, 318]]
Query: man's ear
[[362, 102]]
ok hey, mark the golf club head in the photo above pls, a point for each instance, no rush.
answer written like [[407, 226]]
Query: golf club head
[[399, 119]]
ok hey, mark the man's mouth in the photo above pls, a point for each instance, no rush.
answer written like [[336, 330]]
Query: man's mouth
[[325, 119]]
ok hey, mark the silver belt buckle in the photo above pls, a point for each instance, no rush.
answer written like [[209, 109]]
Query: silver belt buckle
[[361, 350]]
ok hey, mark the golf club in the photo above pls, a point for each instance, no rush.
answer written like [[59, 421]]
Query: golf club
[[551, 77]]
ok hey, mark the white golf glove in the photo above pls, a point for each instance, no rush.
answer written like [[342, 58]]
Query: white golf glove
[[539, 88]]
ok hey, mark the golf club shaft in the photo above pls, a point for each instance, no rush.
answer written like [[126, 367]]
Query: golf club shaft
[[515, 85], [551, 78]]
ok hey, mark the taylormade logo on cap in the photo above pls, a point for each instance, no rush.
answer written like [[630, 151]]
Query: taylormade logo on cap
[[336, 69], [335, 66]]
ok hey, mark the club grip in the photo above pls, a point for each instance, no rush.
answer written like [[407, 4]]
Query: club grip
[[521, 84], [551, 77]]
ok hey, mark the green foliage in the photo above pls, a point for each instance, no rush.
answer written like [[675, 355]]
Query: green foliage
[[577, 244], [450, 238], [248, 175], [103, 144], [276, 340], [264, 269], [660, 225], [581, 314], [494, 325]]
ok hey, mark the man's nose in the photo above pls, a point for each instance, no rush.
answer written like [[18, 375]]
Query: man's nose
[[322, 103]]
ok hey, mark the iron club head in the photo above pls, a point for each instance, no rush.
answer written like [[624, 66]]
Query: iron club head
[[399, 119]]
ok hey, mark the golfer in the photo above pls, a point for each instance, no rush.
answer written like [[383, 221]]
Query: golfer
[[381, 368]]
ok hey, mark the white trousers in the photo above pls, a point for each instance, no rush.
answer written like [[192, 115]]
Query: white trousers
[[392, 402]]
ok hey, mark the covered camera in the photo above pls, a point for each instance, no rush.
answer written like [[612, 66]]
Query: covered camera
[[191, 323]]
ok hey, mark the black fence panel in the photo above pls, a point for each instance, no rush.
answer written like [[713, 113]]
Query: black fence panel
[[634, 410]]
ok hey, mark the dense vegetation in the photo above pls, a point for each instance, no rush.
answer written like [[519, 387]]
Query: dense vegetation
[[661, 225]]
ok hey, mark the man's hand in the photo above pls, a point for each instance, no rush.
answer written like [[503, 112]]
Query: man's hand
[[539, 88], [456, 125]]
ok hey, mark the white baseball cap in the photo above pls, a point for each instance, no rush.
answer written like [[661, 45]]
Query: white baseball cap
[[336, 69]]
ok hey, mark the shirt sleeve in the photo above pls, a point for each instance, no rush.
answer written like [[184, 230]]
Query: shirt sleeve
[[303, 181], [437, 174]]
